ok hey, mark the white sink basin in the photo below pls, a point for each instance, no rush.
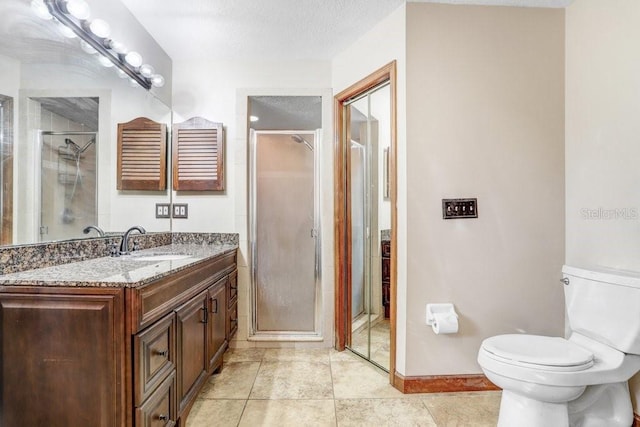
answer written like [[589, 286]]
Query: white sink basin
[[160, 257]]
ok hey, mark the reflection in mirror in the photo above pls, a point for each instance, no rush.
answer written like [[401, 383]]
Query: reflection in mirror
[[59, 110], [68, 189], [370, 213]]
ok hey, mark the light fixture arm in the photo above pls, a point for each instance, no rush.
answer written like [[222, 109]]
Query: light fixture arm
[[78, 27]]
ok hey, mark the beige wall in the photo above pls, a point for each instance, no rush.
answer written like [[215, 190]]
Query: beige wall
[[602, 128], [485, 119], [218, 90]]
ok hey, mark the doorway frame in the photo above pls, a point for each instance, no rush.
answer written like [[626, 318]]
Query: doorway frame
[[341, 200]]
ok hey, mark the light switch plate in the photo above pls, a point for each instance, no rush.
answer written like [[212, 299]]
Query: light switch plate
[[180, 210], [163, 210], [459, 208]]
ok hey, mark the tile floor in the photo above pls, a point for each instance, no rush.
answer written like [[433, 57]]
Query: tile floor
[[293, 387]]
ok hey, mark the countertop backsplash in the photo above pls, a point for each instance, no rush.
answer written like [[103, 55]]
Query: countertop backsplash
[[14, 259]]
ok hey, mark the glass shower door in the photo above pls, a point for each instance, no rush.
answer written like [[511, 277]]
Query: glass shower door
[[284, 232]]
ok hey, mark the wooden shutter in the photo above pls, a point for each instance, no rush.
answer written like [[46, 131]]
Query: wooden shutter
[[142, 155], [198, 155]]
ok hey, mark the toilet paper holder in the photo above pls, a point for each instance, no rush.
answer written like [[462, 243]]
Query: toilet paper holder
[[439, 308]]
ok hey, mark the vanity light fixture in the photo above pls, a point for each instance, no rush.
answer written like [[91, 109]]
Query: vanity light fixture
[[73, 16]]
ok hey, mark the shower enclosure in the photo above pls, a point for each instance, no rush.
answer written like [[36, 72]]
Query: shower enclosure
[[284, 233], [68, 187]]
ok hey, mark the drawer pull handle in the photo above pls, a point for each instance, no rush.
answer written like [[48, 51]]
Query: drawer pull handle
[[214, 309], [163, 353], [163, 417]]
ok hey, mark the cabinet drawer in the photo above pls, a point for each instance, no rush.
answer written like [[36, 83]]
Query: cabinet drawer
[[232, 288], [159, 410], [160, 297], [154, 356], [232, 321]]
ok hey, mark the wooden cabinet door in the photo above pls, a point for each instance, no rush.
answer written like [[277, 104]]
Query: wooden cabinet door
[[191, 328], [62, 360], [217, 319]]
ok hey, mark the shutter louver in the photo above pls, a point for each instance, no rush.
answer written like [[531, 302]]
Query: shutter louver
[[198, 155], [142, 148]]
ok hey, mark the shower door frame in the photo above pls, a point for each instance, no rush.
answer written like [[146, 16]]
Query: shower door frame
[[342, 233], [254, 333], [38, 181]]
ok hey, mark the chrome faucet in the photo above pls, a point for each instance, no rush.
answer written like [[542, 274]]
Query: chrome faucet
[[124, 244], [88, 229]]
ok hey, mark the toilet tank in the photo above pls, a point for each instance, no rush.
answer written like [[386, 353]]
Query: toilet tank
[[604, 304]]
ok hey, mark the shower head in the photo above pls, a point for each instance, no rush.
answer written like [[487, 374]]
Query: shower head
[[75, 147], [301, 140]]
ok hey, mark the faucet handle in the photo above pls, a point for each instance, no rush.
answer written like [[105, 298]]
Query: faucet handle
[[135, 246], [113, 250]]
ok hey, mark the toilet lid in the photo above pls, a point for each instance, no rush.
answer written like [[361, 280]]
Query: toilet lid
[[552, 353]]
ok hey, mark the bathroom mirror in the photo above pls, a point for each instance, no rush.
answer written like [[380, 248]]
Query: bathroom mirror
[[59, 110], [369, 132]]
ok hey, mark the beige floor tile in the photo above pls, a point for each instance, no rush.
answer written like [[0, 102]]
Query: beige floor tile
[[284, 413], [233, 382], [297, 355], [293, 380], [361, 380], [218, 413], [343, 356], [458, 410], [244, 355], [382, 412]]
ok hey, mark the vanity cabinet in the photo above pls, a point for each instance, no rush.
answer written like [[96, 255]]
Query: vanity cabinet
[[232, 306], [386, 276], [111, 357], [218, 317], [62, 358]]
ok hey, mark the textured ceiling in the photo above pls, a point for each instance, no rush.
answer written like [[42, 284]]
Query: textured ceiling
[[271, 29]]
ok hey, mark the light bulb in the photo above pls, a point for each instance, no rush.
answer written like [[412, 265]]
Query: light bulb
[[40, 9], [147, 70], [87, 47], [79, 9], [116, 46], [100, 28], [133, 83], [122, 74], [134, 59], [106, 62], [157, 80], [66, 31]]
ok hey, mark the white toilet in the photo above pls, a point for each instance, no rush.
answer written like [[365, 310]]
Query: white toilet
[[580, 381]]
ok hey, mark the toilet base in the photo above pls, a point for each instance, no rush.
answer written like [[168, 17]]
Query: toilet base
[[600, 405], [518, 410]]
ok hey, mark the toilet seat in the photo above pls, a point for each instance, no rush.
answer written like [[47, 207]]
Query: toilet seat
[[538, 352]]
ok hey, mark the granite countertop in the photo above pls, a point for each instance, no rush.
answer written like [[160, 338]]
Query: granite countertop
[[119, 272]]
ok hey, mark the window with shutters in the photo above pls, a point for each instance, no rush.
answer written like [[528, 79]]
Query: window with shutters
[[142, 155], [198, 155]]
